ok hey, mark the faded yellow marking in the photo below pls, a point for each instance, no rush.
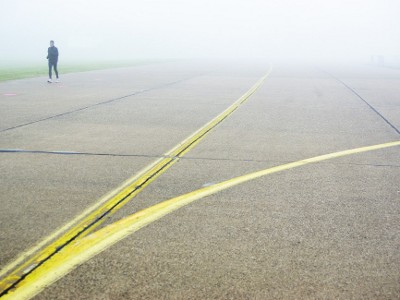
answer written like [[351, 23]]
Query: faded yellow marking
[[86, 248]]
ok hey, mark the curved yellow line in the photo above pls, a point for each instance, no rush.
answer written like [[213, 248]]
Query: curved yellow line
[[86, 248]]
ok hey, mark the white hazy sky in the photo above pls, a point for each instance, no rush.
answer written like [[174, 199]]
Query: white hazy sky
[[119, 29]]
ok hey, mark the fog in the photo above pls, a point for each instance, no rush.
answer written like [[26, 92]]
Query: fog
[[310, 30]]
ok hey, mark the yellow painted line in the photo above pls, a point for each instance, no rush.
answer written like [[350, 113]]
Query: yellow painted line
[[86, 248], [110, 203]]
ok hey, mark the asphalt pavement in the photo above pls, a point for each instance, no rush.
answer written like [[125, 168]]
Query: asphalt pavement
[[322, 231]]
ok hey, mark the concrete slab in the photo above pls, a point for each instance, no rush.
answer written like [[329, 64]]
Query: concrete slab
[[321, 231], [132, 125], [35, 99], [40, 193]]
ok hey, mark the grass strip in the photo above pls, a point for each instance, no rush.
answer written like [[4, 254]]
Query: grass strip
[[8, 72]]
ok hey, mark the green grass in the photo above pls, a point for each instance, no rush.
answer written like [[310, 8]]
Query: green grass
[[8, 72]]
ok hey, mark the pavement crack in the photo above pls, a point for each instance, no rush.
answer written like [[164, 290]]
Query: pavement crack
[[100, 103], [62, 152], [222, 159], [365, 101]]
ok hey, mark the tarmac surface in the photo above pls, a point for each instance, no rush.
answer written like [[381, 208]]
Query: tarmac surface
[[322, 231]]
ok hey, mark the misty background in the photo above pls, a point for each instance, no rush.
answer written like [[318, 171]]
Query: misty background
[[310, 30]]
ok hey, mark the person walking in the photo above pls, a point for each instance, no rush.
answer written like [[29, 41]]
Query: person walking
[[52, 56]]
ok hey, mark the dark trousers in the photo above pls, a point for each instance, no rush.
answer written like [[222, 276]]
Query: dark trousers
[[51, 65]]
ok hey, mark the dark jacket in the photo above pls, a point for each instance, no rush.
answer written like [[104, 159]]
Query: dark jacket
[[52, 54]]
